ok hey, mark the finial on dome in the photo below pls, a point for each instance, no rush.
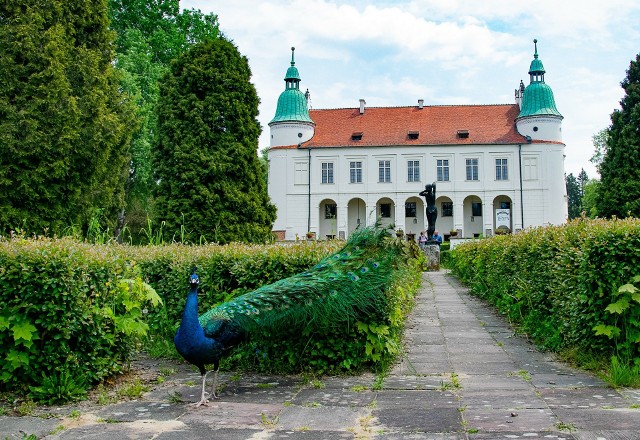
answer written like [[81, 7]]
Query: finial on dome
[[293, 63], [535, 45]]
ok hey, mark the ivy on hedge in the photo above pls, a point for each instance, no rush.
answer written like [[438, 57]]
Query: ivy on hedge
[[561, 284]]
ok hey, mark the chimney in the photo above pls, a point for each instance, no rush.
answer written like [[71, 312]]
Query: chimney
[[420, 103], [362, 104]]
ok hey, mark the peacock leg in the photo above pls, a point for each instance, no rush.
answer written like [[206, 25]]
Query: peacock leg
[[215, 383], [203, 399]]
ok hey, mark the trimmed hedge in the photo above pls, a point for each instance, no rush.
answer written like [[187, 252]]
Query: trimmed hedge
[[53, 321], [563, 284], [68, 320]]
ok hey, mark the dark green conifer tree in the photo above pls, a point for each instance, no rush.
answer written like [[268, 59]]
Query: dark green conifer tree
[[64, 124], [210, 182], [619, 189]]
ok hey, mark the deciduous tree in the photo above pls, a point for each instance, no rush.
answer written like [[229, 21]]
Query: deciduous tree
[[150, 33], [573, 196]]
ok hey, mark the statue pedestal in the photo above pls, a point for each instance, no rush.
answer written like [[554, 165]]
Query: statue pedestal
[[432, 252]]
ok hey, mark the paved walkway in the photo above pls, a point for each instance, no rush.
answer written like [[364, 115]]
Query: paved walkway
[[465, 376]]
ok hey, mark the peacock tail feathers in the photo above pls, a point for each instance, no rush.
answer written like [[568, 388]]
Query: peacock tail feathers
[[341, 289]]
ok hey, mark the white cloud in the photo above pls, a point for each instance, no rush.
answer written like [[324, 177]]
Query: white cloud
[[447, 52]]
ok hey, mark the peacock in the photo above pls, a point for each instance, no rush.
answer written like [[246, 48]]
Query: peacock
[[343, 288]]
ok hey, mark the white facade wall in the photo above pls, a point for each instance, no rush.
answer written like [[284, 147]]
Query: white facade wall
[[301, 207]]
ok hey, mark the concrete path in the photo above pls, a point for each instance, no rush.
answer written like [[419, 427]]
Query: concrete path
[[465, 376]]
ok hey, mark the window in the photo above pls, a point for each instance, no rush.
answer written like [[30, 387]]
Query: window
[[447, 209], [413, 171], [301, 173], [463, 134], [410, 209], [327, 172], [476, 209], [442, 170], [413, 134], [356, 136], [330, 211], [505, 205], [385, 210], [472, 169], [502, 172], [530, 168], [384, 171], [355, 172]]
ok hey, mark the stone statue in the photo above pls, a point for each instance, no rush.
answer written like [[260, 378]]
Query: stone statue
[[429, 194]]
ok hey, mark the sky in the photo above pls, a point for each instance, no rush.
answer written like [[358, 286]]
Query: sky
[[392, 53]]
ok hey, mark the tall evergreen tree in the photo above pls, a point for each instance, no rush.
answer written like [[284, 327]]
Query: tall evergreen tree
[[619, 191], [210, 179], [64, 124]]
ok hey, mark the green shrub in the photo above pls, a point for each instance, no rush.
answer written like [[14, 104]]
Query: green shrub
[[71, 313], [560, 283]]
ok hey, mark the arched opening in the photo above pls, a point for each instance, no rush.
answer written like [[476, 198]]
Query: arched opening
[[356, 215], [473, 212], [414, 217], [502, 215], [386, 212], [328, 216], [444, 223]]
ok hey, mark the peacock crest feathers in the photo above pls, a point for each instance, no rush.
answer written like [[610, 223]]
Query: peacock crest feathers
[[341, 288]]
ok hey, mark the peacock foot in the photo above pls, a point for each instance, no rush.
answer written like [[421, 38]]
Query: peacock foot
[[202, 402]]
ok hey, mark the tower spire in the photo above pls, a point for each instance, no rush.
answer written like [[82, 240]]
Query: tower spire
[[539, 119], [292, 124]]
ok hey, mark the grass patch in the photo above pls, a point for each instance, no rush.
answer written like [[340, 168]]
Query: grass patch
[[621, 374], [132, 390]]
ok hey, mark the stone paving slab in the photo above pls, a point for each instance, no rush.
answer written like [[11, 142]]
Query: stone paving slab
[[321, 418], [345, 398], [501, 420], [546, 435], [416, 419], [592, 419], [464, 375], [584, 398], [418, 399], [497, 400], [608, 435]]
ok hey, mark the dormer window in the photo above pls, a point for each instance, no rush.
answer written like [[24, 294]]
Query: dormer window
[[357, 136], [463, 134], [413, 134]]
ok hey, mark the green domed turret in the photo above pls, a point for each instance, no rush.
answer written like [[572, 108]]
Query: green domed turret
[[292, 103], [538, 96]]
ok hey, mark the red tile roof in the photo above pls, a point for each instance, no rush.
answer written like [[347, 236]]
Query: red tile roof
[[437, 125]]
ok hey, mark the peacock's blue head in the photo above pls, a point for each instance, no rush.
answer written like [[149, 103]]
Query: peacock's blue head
[[194, 280]]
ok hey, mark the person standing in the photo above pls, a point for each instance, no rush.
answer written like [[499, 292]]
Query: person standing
[[437, 237], [422, 240]]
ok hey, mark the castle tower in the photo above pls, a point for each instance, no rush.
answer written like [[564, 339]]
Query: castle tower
[[291, 125], [539, 118]]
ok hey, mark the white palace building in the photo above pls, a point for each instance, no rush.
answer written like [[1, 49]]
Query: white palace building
[[496, 167]]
